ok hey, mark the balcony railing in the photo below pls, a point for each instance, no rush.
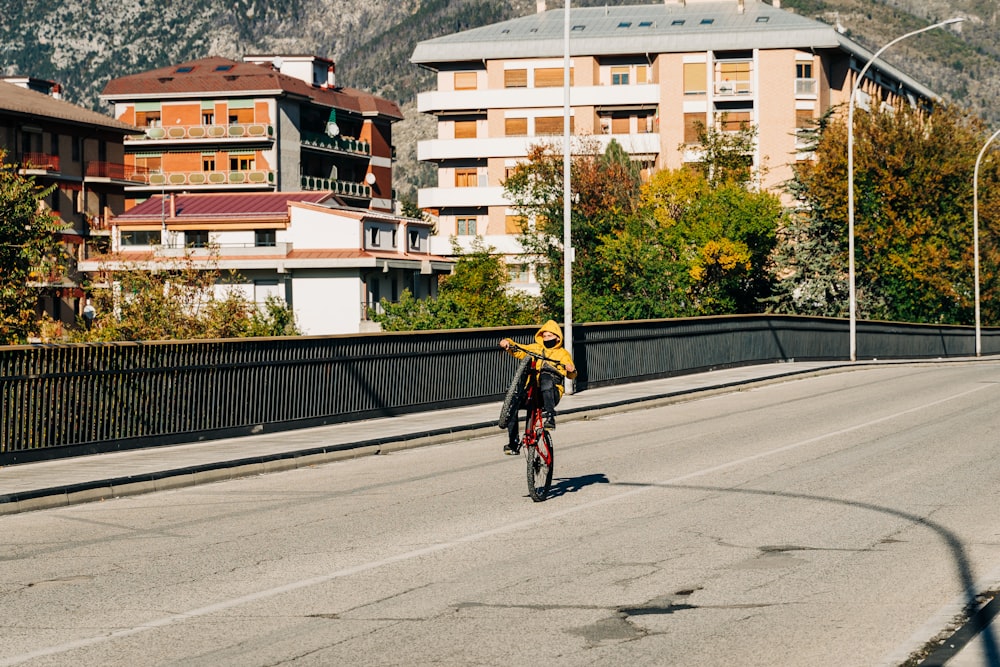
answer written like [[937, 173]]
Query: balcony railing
[[724, 88], [116, 171], [43, 161], [805, 87], [209, 178], [207, 132], [343, 144], [346, 188]]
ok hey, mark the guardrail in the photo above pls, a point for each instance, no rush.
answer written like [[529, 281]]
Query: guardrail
[[65, 400]]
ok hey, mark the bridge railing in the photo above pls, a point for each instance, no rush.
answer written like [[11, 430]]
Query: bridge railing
[[65, 400]]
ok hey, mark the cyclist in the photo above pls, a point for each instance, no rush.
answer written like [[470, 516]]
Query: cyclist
[[548, 342]]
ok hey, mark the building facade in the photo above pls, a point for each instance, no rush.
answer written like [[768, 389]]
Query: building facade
[[266, 124], [80, 154], [332, 264], [645, 76]]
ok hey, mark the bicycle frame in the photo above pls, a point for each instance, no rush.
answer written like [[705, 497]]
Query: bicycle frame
[[535, 424]]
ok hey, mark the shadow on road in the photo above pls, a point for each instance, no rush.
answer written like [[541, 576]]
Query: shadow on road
[[573, 484], [978, 623]]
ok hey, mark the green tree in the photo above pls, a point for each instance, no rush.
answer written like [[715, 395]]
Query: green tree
[[605, 186], [727, 155], [179, 302], [28, 250], [475, 295], [913, 209]]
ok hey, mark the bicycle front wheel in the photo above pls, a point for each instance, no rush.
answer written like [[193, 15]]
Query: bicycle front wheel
[[540, 472]]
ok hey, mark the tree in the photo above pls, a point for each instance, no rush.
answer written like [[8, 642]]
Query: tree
[[913, 210], [679, 245], [473, 296], [605, 187], [180, 302], [29, 250], [727, 155]]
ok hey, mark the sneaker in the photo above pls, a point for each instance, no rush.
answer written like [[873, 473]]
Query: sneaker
[[511, 449], [550, 422]]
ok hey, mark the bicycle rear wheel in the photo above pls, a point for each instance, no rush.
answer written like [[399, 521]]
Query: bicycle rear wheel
[[540, 472]]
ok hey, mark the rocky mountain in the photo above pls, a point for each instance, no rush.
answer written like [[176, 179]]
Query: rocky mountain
[[83, 43]]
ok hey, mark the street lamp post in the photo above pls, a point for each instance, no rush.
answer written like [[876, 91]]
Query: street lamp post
[[850, 177], [975, 236], [567, 204]]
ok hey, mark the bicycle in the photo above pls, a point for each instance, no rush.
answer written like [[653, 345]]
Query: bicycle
[[537, 440]]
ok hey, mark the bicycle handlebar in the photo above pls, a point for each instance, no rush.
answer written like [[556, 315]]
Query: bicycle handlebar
[[541, 357]]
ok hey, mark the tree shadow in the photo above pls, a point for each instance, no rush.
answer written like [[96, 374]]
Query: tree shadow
[[566, 485], [979, 619]]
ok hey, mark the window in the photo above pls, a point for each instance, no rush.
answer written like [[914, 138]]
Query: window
[[515, 127], [734, 121], [196, 238], [546, 125], [208, 118], [734, 78], [466, 81], [466, 178], [621, 125], [54, 144], [184, 70], [641, 73], [140, 238], [515, 224], [208, 163], [466, 226], [56, 200], [625, 24], [803, 70], [148, 119], [465, 129], [515, 78], [677, 22], [517, 273], [265, 238], [242, 163], [223, 68], [694, 78], [693, 124], [619, 76], [803, 119], [374, 237], [393, 236], [75, 143], [707, 21], [414, 239], [551, 77]]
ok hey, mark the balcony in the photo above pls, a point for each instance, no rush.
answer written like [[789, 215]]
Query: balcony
[[526, 98], [345, 188], [732, 88], [337, 144], [461, 197], [45, 162], [253, 178], [97, 171], [514, 147], [805, 88], [239, 132]]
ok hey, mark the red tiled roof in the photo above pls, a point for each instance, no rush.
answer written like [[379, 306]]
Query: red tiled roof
[[221, 205], [204, 77]]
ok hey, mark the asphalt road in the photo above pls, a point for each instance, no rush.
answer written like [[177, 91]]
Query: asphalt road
[[831, 520]]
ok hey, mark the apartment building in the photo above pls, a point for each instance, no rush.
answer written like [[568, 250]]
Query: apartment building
[[641, 75], [78, 152], [266, 124], [330, 263]]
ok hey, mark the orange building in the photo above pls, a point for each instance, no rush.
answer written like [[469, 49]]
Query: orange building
[[269, 123]]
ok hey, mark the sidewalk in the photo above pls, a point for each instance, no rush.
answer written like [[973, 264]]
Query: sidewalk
[[60, 482]]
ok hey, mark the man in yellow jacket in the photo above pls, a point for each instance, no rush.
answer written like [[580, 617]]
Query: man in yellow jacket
[[548, 342]]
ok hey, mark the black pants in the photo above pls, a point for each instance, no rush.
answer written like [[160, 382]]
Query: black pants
[[550, 399]]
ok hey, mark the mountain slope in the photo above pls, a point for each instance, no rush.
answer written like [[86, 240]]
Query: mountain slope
[[83, 43]]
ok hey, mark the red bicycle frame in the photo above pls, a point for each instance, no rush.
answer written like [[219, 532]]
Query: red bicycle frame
[[535, 425]]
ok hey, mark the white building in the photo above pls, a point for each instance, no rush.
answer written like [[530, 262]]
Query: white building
[[331, 263]]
